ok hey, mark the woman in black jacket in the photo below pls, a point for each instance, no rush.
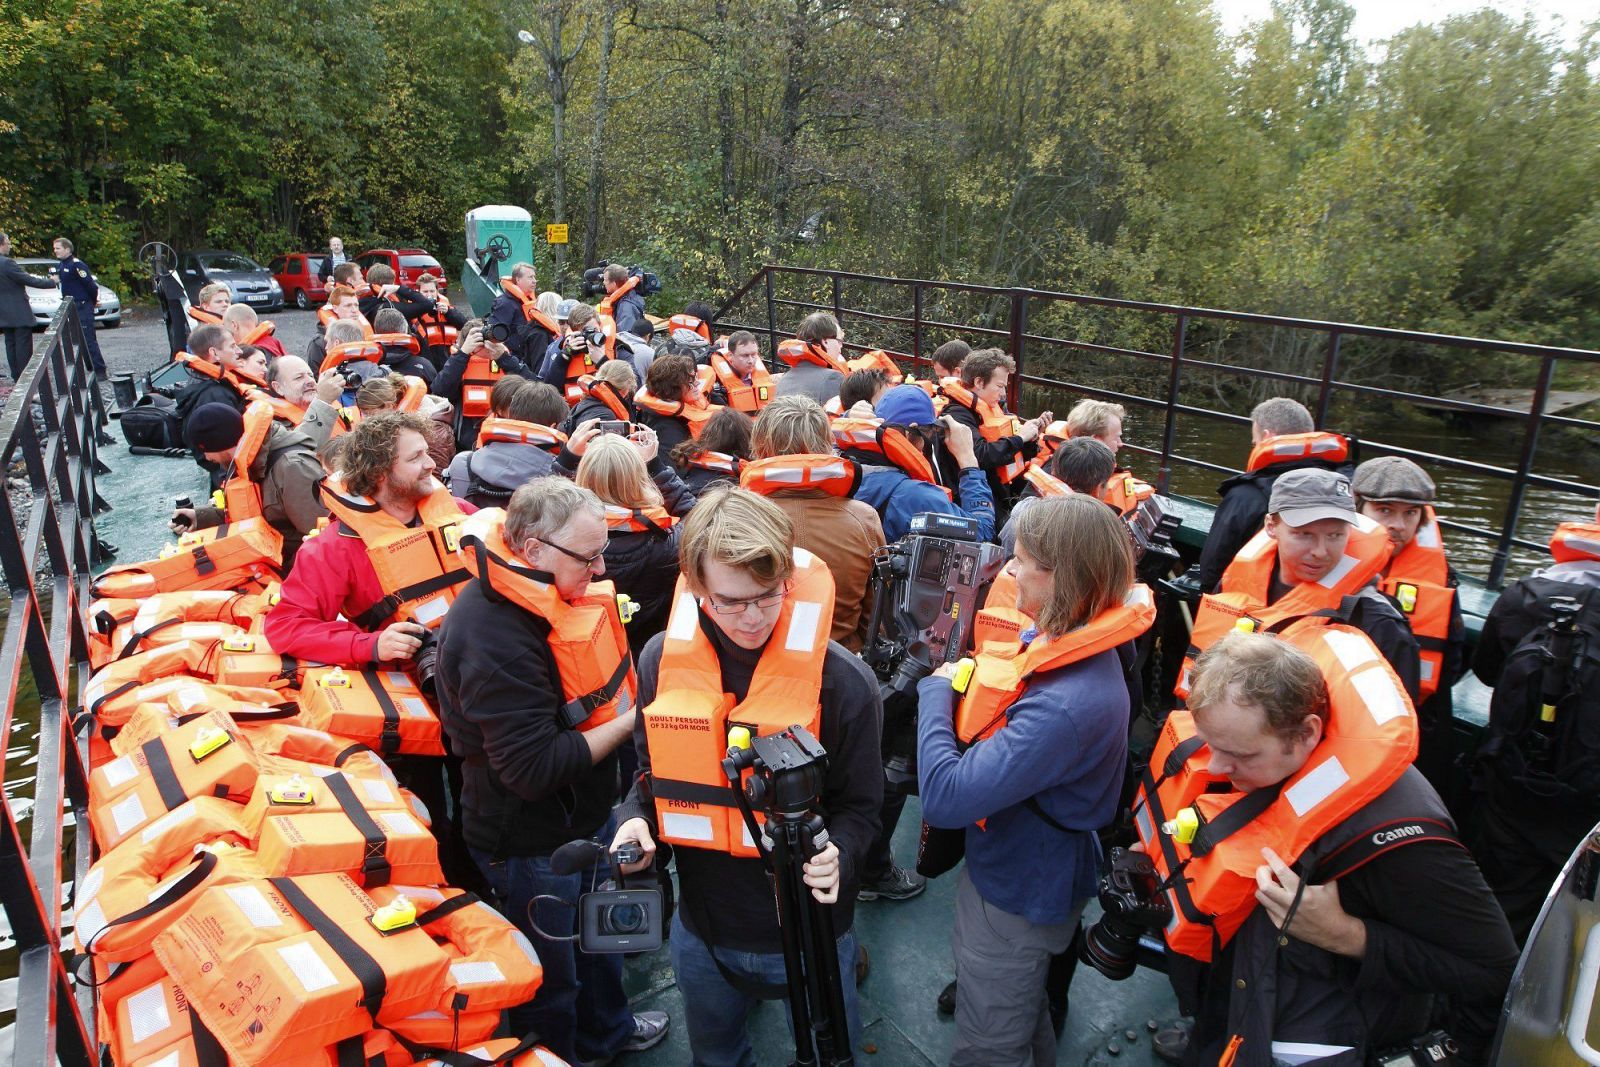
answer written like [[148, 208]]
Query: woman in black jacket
[[612, 389], [717, 454]]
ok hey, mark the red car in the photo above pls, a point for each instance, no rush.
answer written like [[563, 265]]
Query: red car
[[409, 264], [297, 274]]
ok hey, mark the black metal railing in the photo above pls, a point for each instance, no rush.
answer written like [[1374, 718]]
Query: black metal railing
[[48, 432], [1009, 317]]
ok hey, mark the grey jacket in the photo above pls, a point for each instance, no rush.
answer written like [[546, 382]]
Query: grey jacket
[[14, 307]]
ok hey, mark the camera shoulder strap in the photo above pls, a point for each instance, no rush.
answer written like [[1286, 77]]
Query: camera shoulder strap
[[1033, 805], [1375, 841]]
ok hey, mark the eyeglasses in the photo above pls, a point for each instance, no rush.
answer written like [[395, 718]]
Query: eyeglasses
[[587, 561], [721, 606]]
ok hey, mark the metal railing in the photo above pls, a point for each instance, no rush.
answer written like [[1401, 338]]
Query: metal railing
[[900, 313], [48, 428]]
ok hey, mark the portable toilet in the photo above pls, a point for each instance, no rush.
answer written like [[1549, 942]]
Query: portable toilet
[[498, 237]]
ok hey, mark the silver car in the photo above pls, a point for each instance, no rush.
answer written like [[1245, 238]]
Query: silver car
[[107, 307]]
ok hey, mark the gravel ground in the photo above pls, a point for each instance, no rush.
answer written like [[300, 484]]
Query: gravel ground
[[140, 343]]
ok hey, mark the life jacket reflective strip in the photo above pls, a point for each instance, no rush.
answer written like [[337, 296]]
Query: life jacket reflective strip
[[492, 964], [204, 317], [478, 380], [501, 1052], [263, 329], [1293, 447], [367, 351], [242, 381], [1054, 436], [384, 709], [375, 847], [639, 520], [720, 462], [530, 307], [994, 424], [132, 791], [1125, 492], [1246, 584], [874, 438], [1369, 739], [607, 394], [586, 635], [437, 331], [834, 407], [435, 1028], [1575, 541], [1003, 666], [516, 432], [407, 341], [695, 416], [244, 556], [1418, 580], [687, 724], [282, 409], [830, 474], [326, 973], [877, 359], [418, 567], [242, 496], [794, 352], [691, 323], [749, 399], [411, 397], [1045, 484]]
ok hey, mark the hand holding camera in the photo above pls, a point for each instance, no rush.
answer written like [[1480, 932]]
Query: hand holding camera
[[183, 515], [330, 386], [583, 433], [635, 834], [399, 641], [628, 911]]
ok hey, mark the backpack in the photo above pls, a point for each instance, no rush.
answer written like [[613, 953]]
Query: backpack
[[153, 422], [1544, 717]]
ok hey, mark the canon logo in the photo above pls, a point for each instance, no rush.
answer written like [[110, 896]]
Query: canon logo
[[1399, 833]]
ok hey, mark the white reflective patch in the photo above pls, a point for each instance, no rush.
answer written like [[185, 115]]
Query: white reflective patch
[[147, 1013], [685, 619], [803, 623], [1316, 785], [415, 708], [1428, 536], [307, 966], [788, 475], [1287, 448], [1326, 444], [1138, 596], [1353, 651], [1586, 545], [396, 680], [128, 815], [1345, 565], [520, 939], [253, 903], [1294, 1053], [1256, 546], [802, 558], [171, 1059], [1427, 669], [91, 919], [744, 835], [477, 972], [431, 611], [1381, 696], [398, 823], [119, 772], [686, 827], [377, 790], [181, 813], [91, 883]]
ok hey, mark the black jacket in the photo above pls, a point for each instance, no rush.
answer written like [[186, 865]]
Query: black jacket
[[447, 383], [325, 271], [529, 784], [15, 310], [1241, 512], [200, 390], [700, 480], [408, 302], [528, 340], [671, 431], [991, 455], [401, 361]]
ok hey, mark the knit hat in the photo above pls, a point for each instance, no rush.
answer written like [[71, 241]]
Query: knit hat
[[1393, 478], [905, 405], [214, 427], [1303, 496]]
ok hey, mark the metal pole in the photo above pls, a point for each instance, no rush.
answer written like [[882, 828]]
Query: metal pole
[[1019, 330], [1164, 472], [916, 321], [838, 308], [1330, 367], [1519, 484], [772, 317]]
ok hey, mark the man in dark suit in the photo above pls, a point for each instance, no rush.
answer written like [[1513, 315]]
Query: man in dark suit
[[16, 314], [331, 259]]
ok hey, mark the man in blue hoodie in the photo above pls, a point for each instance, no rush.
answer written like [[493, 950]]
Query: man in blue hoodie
[[896, 494]]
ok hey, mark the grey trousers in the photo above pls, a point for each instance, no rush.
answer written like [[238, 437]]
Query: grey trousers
[[1002, 1018]]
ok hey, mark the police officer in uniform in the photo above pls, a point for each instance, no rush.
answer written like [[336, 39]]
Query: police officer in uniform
[[78, 284]]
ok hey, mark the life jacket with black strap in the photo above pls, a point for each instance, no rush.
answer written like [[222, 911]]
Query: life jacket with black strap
[[692, 324], [606, 393], [586, 633], [508, 431], [834, 475], [1331, 448], [435, 327], [1206, 844], [750, 398], [241, 496], [1247, 583], [688, 722], [478, 379], [994, 424], [605, 315], [1418, 580], [874, 441], [418, 566], [1125, 492], [656, 520], [695, 416], [794, 352]]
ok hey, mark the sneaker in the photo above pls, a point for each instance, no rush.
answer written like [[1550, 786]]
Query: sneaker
[[1172, 1041], [947, 1000], [649, 1030], [897, 884]]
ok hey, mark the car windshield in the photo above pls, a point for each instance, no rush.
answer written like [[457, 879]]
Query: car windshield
[[427, 262], [229, 261]]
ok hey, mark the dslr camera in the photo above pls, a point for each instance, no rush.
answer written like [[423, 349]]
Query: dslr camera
[[594, 280], [498, 332], [1130, 893], [626, 914], [927, 589]]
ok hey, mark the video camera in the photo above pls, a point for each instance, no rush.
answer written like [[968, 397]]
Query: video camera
[[1153, 525], [628, 912], [594, 280], [927, 589]]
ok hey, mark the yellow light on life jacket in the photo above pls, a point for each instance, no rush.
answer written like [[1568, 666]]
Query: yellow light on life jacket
[[207, 741], [1407, 595], [627, 607], [1244, 625], [335, 679], [1183, 826], [219, 499], [398, 914], [1547, 713], [294, 791], [963, 676], [738, 737], [239, 643]]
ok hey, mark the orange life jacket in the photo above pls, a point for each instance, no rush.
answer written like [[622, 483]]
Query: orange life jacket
[[418, 567], [878, 359], [1293, 447], [1369, 739], [516, 432], [1575, 541], [376, 845], [874, 437], [325, 315], [829, 474], [994, 424], [436, 328], [478, 380], [1125, 492], [411, 397], [586, 635], [720, 462], [1247, 583], [383, 709], [1054, 436], [1418, 579], [244, 556], [794, 352], [1003, 667], [694, 416], [241, 496], [240, 380], [749, 399], [607, 394], [363, 351], [639, 520], [1045, 484], [293, 414], [605, 316], [120, 627], [263, 329], [407, 341], [248, 660], [691, 323], [579, 367], [204, 317], [687, 724]]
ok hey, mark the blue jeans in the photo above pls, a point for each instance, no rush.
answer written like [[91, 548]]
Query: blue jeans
[[717, 1011], [580, 1010]]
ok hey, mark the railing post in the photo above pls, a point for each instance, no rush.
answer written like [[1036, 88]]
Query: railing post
[[1169, 432], [1330, 367], [1519, 484], [838, 307], [772, 317], [1019, 330], [916, 323]]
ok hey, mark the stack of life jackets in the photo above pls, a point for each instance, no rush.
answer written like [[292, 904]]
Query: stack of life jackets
[[994, 424], [265, 891]]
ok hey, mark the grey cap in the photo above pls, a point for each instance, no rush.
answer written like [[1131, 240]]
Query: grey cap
[[1393, 478], [1303, 496]]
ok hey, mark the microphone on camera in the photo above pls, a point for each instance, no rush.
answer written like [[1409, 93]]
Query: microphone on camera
[[575, 856]]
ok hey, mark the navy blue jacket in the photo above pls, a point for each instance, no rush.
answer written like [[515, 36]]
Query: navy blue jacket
[[77, 280]]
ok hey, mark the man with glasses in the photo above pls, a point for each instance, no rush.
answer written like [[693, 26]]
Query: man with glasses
[[750, 623], [528, 637]]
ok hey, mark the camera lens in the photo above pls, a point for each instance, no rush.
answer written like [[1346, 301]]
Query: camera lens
[[623, 919], [1111, 947]]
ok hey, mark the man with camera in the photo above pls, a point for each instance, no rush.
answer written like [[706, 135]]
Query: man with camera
[[525, 330], [479, 361], [439, 324], [1363, 906], [750, 621], [536, 694], [1002, 443], [628, 310]]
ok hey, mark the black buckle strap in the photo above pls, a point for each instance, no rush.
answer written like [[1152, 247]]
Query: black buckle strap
[[1179, 756], [389, 733], [374, 983], [137, 638], [191, 879], [1236, 817], [575, 712], [375, 868], [692, 792], [379, 613], [125, 687], [161, 772], [202, 561], [447, 908]]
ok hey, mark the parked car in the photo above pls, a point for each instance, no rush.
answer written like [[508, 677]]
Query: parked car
[[107, 307], [296, 275], [409, 264], [249, 281]]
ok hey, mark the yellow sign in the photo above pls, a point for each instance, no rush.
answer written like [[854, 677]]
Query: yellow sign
[[556, 233]]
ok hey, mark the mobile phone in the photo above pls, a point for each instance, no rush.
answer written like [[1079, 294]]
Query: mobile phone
[[614, 426]]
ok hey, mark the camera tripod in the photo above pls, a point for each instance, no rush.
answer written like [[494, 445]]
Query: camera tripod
[[788, 770]]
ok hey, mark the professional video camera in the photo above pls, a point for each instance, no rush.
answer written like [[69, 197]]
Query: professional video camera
[[628, 912], [1152, 525], [1130, 893], [594, 281], [927, 589]]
